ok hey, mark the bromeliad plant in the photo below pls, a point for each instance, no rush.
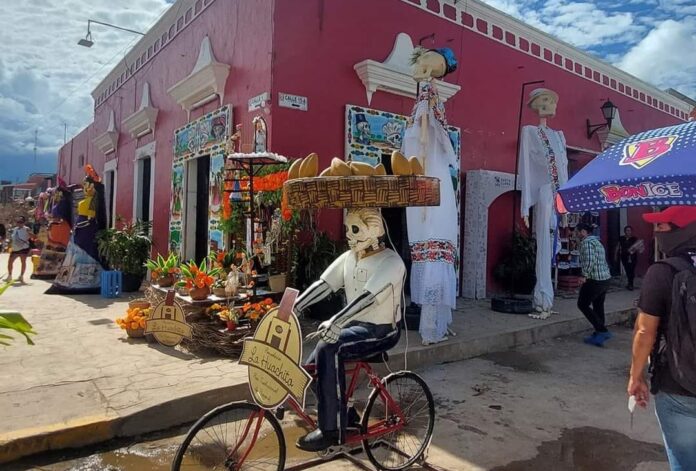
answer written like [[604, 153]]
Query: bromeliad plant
[[199, 276], [161, 267]]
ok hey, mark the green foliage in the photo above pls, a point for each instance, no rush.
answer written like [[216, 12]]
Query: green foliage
[[517, 269], [126, 249], [14, 321], [311, 259], [163, 265]]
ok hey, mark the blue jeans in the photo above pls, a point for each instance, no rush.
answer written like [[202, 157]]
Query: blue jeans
[[677, 417], [358, 340]]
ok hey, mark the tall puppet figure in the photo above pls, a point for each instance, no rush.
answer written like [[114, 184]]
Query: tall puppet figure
[[59, 216], [543, 168], [81, 269], [432, 231]]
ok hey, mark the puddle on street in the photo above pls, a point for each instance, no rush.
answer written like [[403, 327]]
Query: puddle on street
[[516, 360], [589, 449]]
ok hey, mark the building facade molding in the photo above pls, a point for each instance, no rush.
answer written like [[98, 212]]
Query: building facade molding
[[511, 32], [107, 141], [205, 83], [144, 120], [394, 75]]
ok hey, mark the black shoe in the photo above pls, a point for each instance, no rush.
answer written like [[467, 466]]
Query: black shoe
[[317, 441], [630, 287], [353, 419]]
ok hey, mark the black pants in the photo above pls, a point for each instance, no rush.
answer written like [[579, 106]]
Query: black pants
[[592, 293], [629, 264]]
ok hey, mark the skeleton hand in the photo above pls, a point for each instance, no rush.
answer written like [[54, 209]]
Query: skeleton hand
[[331, 333]]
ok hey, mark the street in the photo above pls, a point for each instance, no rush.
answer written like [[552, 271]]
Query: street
[[558, 405]]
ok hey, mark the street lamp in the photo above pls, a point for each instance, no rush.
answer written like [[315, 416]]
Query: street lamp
[[87, 40], [609, 113]]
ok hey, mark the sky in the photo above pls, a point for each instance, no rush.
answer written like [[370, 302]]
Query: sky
[[46, 78]]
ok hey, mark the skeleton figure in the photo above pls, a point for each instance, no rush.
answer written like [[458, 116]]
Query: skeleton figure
[[372, 277]]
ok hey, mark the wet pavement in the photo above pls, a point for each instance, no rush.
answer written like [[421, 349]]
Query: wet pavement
[[559, 405]]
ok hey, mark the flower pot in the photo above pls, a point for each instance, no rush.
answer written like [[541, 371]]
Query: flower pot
[[131, 282], [141, 303], [135, 333], [231, 325], [277, 282], [199, 294], [165, 281], [220, 292]]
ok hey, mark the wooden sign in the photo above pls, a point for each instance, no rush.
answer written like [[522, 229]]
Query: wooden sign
[[273, 357], [167, 322]]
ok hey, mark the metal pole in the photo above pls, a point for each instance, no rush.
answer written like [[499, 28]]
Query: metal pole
[[517, 166], [113, 26]]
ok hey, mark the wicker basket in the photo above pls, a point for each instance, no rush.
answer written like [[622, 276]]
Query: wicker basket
[[135, 333], [142, 303], [387, 191]]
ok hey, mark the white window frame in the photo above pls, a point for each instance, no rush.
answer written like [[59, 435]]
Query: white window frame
[[143, 152], [111, 166]]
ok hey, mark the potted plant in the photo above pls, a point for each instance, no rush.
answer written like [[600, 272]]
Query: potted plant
[[516, 271], [127, 249], [231, 318], [199, 279], [219, 288], [164, 270], [134, 321]]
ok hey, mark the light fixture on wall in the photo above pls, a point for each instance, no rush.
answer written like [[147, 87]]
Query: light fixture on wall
[[609, 113], [87, 40]]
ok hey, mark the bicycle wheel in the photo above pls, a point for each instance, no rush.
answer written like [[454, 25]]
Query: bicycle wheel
[[403, 447], [235, 436]]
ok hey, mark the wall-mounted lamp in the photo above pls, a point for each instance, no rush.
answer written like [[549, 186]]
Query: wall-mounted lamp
[[87, 40], [609, 113]]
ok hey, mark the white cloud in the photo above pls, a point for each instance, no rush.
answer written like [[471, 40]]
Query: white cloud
[[666, 56], [46, 78]]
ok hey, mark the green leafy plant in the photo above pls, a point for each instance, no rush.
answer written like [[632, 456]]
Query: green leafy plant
[[128, 248], [517, 270], [15, 322], [160, 266], [199, 276]]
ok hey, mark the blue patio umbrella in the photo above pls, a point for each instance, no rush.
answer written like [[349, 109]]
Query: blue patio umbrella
[[651, 168]]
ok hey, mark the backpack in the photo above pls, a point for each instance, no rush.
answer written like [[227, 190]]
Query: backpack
[[680, 339]]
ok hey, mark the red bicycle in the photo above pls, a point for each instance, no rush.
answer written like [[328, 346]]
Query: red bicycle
[[395, 429]]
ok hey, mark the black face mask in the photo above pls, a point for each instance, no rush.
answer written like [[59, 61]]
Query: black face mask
[[678, 241]]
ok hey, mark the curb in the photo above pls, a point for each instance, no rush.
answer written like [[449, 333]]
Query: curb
[[91, 430]]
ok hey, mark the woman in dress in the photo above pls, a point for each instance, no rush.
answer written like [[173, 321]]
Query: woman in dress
[[432, 231]]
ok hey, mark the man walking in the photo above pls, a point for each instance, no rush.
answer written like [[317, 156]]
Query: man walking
[[665, 331], [595, 272]]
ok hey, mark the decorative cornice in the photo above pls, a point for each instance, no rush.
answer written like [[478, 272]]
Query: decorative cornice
[[177, 18], [394, 74], [511, 32], [205, 83], [107, 141], [142, 121]]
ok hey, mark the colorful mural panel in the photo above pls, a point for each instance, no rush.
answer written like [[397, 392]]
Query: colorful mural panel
[[371, 134], [176, 208]]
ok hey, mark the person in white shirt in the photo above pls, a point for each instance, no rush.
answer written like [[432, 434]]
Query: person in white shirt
[[20, 245]]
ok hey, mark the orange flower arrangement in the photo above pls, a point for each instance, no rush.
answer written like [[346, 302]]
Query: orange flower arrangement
[[255, 311], [135, 318], [199, 276]]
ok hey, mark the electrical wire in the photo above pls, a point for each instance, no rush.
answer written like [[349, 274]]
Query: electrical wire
[[403, 295]]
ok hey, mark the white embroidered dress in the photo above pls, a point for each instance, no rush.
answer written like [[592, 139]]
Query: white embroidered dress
[[432, 231], [543, 168]]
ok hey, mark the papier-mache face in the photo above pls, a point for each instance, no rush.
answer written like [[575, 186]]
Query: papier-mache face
[[544, 102], [364, 227]]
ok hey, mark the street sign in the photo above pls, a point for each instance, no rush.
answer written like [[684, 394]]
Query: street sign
[[258, 101], [295, 102]]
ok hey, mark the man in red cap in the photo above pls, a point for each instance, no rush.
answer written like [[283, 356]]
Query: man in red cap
[[666, 335]]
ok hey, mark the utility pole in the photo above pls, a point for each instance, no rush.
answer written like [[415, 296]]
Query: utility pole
[[65, 133], [36, 138]]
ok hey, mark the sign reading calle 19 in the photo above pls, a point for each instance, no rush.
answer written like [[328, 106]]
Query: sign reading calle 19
[[296, 102]]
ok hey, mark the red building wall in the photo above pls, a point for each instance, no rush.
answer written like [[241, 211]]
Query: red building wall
[[317, 43], [240, 33]]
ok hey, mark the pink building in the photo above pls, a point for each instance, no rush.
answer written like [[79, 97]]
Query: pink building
[[309, 67]]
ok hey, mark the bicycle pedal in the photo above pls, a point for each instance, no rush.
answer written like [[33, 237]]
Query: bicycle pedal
[[333, 450], [280, 413]]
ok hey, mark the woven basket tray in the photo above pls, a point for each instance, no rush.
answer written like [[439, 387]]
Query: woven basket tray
[[388, 191]]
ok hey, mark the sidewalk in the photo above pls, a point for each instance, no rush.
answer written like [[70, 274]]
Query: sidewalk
[[85, 382]]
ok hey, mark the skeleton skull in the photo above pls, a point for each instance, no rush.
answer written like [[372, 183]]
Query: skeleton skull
[[544, 102], [429, 64], [364, 227]]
